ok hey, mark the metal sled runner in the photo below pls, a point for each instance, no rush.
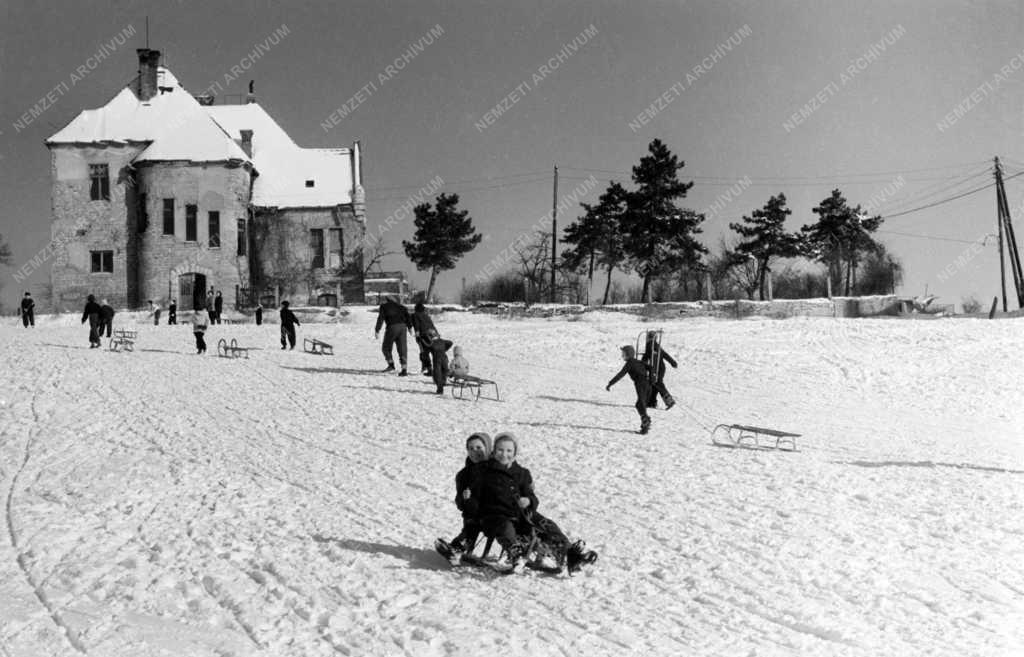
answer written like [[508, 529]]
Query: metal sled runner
[[318, 347], [741, 435], [470, 387], [225, 350], [123, 339]]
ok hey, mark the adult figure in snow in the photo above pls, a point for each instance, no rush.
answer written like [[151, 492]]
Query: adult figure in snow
[[172, 313], [92, 315], [106, 318], [210, 307], [154, 312], [259, 314], [656, 356], [218, 307], [422, 325], [395, 318], [288, 324], [28, 312]]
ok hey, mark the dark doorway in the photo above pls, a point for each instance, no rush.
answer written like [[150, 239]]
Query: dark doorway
[[191, 291]]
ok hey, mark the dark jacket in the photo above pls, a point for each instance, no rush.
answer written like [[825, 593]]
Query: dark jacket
[[106, 313], [288, 319], [464, 481], [91, 308], [438, 347], [27, 304], [391, 313], [422, 324], [497, 490], [638, 371], [218, 304], [651, 354]]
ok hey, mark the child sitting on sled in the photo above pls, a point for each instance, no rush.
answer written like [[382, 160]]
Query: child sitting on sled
[[478, 450], [459, 365]]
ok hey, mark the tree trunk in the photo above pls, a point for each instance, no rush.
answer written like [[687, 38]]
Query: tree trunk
[[430, 286], [607, 287], [762, 267], [644, 294]]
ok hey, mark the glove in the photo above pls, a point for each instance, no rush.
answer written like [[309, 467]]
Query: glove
[[524, 502], [376, 334], [608, 387], [675, 365]]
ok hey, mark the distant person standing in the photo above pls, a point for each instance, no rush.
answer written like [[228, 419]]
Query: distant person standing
[[172, 313], [422, 325], [288, 324], [218, 307], [209, 306], [106, 318], [200, 321], [92, 314], [259, 314], [28, 314], [154, 312], [396, 318]]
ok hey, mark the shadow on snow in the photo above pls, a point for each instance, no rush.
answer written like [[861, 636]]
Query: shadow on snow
[[582, 401], [555, 425], [929, 464], [417, 558]]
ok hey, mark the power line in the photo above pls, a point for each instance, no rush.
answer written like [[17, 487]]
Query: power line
[[947, 200]]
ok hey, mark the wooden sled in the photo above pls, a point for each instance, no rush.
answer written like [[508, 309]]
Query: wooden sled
[[318, 347], [123, 339], [225, 350], [471, 387], [741, 435]]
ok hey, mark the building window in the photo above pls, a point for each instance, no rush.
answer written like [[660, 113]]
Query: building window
[[191, 229], [317, 246], [168, 216], [143, 222], [99, 179], [102, 262], [335, 247], [241, 237], [214, 228]]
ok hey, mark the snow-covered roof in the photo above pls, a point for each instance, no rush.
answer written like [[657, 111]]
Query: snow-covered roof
[[176, 127], [284, 166], [173, 122]]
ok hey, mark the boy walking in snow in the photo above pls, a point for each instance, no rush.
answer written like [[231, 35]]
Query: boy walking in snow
[[288, 324], [657, 356], [640, 373], [92, 314]]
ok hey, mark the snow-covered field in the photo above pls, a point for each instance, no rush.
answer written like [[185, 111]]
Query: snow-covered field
[[163, 503]]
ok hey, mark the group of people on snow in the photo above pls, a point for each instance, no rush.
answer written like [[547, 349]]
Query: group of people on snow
[[648, 376], [496, 498], [398, 322]]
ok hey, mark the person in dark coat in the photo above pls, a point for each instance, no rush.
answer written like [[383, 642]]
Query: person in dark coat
[[502, 492], [654, 353], [218, 307], [288, 324], [28, 313], [438, 349], [478, 450], [259, 314], [92, 314], [172, 313], [200, 322], [106, 318], [640, 373], [422, 325], [396, 318]]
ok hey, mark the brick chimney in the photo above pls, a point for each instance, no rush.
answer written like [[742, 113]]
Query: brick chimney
[[251, 96], [148, 61], [246, 141]]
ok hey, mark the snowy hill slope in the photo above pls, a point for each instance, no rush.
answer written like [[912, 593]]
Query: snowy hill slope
[[163, 503]]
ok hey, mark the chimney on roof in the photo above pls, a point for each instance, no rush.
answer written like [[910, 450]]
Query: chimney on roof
[[251, 97], [148, 62], [246, 142]]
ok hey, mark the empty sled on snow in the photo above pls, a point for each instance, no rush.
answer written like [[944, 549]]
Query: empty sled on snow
[[123, 339], [470, 387], [232, 350], [318, 347], [741, 435]]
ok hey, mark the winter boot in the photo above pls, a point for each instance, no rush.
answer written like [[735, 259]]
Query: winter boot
[[645, 424], [404, 372], [669, 402], [517, 557], [389, 368], [578, 556]]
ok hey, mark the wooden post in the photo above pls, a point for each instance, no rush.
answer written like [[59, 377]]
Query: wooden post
[[828, 282], [769, 275], [707, 285], [992, 310]]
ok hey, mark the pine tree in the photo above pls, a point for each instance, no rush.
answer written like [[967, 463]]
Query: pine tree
[[596, 238], [765, 238], [840, 238], [443, 235], [659, 236]]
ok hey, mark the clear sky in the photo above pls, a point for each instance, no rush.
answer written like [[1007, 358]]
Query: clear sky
[[731, 120]]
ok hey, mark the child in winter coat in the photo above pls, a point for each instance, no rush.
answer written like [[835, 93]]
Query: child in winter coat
[[439, 358], [478, 450], [200, 321], [657, 356], [422, 326], [459, 365], [503, 491], [288, 324], [640, 373]]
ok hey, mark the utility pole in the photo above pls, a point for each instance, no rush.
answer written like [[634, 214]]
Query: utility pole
[[554, 233], [999, 211], [1006, 226]]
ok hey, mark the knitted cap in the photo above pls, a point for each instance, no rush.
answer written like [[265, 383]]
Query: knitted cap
[[457, 350], [629, 351], [484, 438], [509, 436]]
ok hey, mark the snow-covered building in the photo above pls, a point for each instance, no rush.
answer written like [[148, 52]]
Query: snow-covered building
[[162, 195]]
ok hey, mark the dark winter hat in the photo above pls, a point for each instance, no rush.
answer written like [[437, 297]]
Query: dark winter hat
[[284, 304], [482, 437], [510, 437], [28, 294], [629, 351], [90, 298]]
